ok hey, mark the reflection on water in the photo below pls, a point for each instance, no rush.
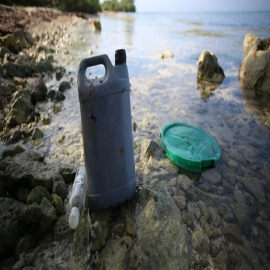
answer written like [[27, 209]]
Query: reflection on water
[[206, 88]]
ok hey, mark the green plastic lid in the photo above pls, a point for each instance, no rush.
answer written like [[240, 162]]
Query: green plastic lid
[[189, 147]]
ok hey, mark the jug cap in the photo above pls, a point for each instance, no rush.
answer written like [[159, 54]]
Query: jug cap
[[120, 57], [189, 147]]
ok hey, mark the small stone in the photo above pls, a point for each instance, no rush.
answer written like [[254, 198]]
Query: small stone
[[47, 215], [180, 201], [166, 54], [204, 209], [64, 86], [59, 186]]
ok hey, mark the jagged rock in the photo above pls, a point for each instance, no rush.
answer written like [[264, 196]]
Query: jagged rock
[[59, 186], [7, 88], [21, 107], [26, 242], [64, 86], [61, 229], [127, 240], [130, 229], [15, 42], [22, 194], [44, 66], [58, 204], [114, 255], [209, 69], [47, 215], [81, 238], [156, 212], [28, 170], [11, 228], [36, 134], [37, 194], [11, 136], [254, 70], [16, 149], [38, 90], [166, 54], [29, 214]]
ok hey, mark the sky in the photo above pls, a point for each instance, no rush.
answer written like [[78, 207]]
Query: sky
[[201, 5]]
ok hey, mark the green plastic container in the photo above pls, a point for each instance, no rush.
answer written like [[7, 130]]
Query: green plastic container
[[189, 147]]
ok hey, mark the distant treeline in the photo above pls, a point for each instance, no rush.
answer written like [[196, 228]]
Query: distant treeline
[[123, 5], [87, 6]]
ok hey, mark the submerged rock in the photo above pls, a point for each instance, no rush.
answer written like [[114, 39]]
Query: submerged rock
[[166, 54], [209, 69]]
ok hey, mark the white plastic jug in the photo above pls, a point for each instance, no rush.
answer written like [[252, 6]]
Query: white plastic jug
[[107, 131]]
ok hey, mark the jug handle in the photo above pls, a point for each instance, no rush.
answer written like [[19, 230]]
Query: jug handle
[[82, 81]]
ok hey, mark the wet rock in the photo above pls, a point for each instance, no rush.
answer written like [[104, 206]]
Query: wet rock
[[12, 136], [221, 261], [114, 255], [59, 96], [150, 148], [21, 108], [51, 94], [204, 209], [254, 186], [15, 42], [210, 230], [208, 68], [180, 201], [212, 176], [47, 215], [232, 234], [61, 229], [255, 68], [99, 235], [239, 196], [37, 194], [226, 213], [7, 88], [58, 204], [44, 66], [59, 72], [243, 217], [59, 186], [11, 228], [64, 86], [38, 90], [184, 182], [16, 149], [155, 213], [81, 238], [28, 170], [29, 214], [166, 54], [216, 220], [200, 241]]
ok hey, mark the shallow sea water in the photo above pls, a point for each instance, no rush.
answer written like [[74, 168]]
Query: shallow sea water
[[166, 90]]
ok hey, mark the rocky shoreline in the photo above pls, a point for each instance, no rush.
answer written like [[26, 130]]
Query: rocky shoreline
[[171, 223]]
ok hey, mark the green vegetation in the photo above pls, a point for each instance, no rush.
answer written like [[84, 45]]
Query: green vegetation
[[87, 6], [123, 5]]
